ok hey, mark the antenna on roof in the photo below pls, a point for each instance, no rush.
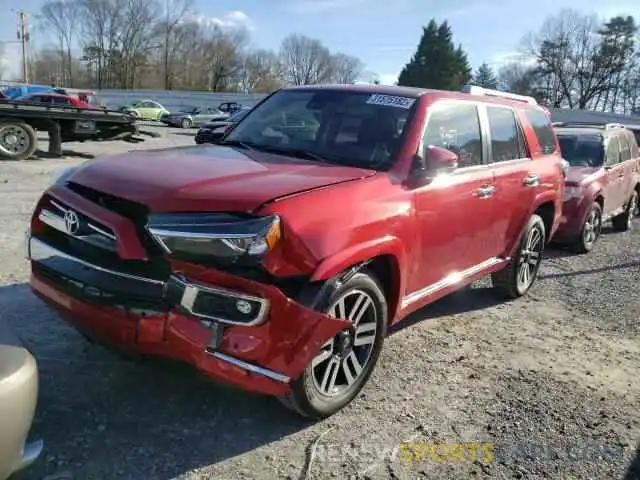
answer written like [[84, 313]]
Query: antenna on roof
[[481, 91]]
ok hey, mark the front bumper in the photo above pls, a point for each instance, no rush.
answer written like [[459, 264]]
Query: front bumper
[[574, 214], [262, 357]]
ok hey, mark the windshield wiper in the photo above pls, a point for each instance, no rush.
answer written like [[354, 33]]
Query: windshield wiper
[[294, 152], [237, 143]]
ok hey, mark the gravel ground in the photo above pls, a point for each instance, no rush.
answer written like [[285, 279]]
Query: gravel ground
[[542, 387]]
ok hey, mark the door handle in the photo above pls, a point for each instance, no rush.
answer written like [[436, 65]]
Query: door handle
[[485, 191], [531, 181]]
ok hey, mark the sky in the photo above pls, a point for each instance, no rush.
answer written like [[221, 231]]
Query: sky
[[383, 33]]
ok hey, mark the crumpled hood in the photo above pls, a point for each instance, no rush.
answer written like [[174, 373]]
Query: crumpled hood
[[208, 178]]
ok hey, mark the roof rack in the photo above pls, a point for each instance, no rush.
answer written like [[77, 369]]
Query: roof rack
[[604, 126], [476, 90]]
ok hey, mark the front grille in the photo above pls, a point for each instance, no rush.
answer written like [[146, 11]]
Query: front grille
[[133, 211]]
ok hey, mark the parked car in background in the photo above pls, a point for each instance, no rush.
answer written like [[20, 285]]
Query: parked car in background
[[18, 398], [189, 117], [145, 109], [213, 132], [603, 182], [229, 108], [277, 261], [55, 99]]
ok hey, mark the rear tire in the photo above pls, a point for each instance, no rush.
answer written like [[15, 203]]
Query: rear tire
[[590, 230], [18, 140], [342, 367], [519, 275], [623, 222]]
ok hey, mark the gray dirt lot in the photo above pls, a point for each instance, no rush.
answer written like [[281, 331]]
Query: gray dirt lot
[[550, 380]]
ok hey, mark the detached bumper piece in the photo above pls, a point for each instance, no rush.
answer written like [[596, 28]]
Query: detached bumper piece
[[181, 319]]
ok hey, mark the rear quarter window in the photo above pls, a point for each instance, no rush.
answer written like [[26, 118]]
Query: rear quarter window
[[544, 130]]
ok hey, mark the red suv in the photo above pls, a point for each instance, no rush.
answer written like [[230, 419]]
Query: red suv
[[603, 182], [277, 260]]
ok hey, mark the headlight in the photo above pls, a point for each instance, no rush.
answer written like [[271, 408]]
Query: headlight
[[64, 175], [210, 237]]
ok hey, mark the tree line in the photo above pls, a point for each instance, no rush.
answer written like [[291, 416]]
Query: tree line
[[166, 44], [573, 61]]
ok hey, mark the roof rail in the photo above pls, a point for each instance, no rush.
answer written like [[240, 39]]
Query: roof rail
[[476, 90], [604, 126]]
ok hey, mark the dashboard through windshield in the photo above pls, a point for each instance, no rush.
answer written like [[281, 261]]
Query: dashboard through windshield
[[359, 129]]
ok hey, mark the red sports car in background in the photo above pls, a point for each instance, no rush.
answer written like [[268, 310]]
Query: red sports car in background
[[55, 99]]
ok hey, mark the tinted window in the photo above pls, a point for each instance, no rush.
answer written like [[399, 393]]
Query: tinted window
[[625, 149], [456, 127], [60, 101], [506, 139], [148, 105], [544, 131], [315, 121], [582, 150], [613, 151]]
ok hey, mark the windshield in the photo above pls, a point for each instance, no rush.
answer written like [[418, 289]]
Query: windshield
[[582, 150], [338, 126]]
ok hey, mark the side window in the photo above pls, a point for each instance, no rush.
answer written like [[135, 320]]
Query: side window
[[456, 127], [60, 101], [506, 138], [544, 131], [625, 149], [613, 151], [148, 105]]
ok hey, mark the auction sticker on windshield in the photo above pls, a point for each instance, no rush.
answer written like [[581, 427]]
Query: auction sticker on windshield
[[390, 100]]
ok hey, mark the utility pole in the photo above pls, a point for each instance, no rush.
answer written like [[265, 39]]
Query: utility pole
[[23, 36]]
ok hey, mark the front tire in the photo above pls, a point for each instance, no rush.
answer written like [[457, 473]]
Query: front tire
[[186, 123], [342, 367], [590, 230], [522, 270]]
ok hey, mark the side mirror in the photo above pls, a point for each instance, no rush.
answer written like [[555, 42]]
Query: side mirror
[[440, 160]]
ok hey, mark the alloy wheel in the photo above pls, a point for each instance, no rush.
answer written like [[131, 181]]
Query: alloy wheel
[[14, 140], [634, 207], [529, 259], [592, 227], [343, 358]]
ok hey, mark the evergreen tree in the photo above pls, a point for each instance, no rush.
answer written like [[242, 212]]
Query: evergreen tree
[[484, 77], [437, 63]]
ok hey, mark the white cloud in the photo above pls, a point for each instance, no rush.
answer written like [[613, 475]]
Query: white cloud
[[388, 78], [9, 62], [499, 59], [234, 20]]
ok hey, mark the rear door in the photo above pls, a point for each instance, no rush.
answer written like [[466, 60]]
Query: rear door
[[614, 190], [454, 216], [516, 175], [629, 164]]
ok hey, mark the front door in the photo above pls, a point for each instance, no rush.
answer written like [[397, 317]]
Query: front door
[[516, 179], [454, 213]]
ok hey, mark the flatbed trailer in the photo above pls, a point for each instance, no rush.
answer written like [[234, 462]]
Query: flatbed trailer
[[20, 120]]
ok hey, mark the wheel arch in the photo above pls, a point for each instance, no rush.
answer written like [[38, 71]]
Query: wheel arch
[[547, 211], [385, 258]]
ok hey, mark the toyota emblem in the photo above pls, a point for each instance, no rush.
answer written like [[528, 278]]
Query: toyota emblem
[[71, 222]]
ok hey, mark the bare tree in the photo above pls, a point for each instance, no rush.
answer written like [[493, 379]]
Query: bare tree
[[175, 12], [306, 60], [347, 69], [61, 16], [262, 71]]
